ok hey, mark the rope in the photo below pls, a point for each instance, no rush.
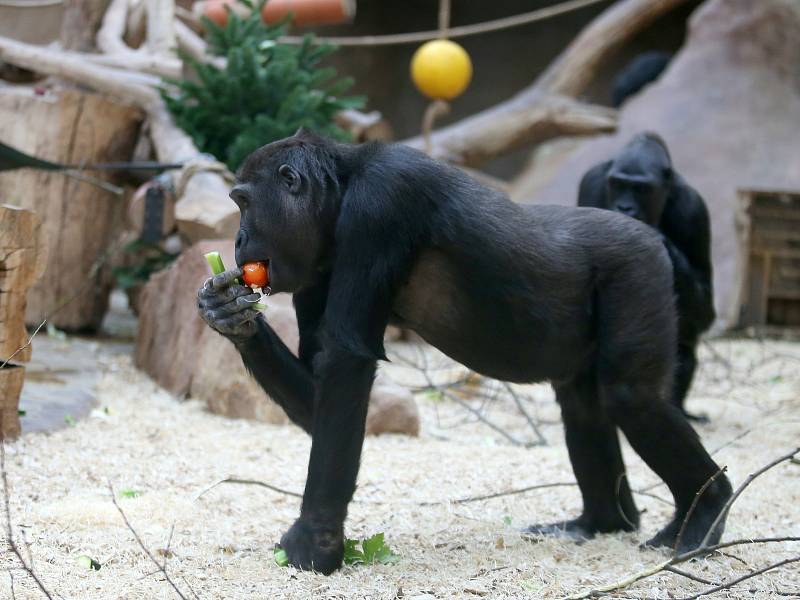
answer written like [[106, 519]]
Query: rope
[[455, 32], [444, 17], [196, 165]]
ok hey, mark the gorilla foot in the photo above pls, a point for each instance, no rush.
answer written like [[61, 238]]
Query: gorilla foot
[[699, 523], [575, 530], [311, 547]]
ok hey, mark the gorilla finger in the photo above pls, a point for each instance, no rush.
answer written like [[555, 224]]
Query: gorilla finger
[[226, 279], [239, 304], [213, 298]]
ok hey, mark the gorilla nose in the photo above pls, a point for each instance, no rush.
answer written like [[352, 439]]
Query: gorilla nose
[[241, 239], [627, 209]]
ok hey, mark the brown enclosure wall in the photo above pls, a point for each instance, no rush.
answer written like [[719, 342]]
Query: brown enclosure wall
[[504, 61]]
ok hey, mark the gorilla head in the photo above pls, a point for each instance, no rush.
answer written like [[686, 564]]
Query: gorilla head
[[639, 179], [287, 193]]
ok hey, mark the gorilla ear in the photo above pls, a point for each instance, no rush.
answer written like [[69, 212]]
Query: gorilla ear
[[304, 132], [290, 177], [667, 174]]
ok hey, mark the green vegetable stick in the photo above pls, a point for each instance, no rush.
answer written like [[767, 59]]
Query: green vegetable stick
[[281, 558], [214, 261]]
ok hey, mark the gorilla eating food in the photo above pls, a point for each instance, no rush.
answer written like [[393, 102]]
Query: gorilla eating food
[[368, 235], [641, 183]]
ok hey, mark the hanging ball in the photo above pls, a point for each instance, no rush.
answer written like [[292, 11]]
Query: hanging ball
[[441, 69]]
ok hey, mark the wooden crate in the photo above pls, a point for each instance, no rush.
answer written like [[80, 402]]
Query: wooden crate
[[770, 227]]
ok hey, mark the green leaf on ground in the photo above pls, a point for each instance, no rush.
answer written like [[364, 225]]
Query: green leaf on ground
[[70, 420], [88, 563], [373, 550], [281, 558], [129, 493]]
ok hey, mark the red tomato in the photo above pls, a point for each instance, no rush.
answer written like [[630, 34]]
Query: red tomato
[[256, 274]]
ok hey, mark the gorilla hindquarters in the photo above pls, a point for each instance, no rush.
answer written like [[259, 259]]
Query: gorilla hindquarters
[[369, 235]]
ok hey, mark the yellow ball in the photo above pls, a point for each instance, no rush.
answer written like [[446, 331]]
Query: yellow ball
[[441, 69]]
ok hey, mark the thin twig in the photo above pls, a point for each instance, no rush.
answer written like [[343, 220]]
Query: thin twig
[[528, 418], [688, 575], [725, 509], [167, 549], [733, 582], [693, 506], [142, 545], [25, 345], [9, 530], [478, 415], [189, 586], [469, 499], [269, 486], [675, 560]]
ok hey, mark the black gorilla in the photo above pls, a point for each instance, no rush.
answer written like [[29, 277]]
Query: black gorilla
[[638, 73], [641, 183], [375, 234]]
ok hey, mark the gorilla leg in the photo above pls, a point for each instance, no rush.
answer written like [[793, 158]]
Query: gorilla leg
[[637, 338], [684, 373], [597, 461], [670, 447]]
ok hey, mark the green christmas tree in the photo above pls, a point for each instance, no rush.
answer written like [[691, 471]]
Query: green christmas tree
[[266, 91]]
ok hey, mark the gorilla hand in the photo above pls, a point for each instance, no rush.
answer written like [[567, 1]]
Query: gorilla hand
[[228, 307]]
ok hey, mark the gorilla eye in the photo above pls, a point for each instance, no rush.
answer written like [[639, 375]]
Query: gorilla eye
[[290, 177]]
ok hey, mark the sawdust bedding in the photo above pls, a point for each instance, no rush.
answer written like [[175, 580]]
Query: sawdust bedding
[[142, 439]]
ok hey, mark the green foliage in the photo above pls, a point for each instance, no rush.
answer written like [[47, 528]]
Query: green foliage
[[147, 259], [266, 91], [129, 493], [373, 550]]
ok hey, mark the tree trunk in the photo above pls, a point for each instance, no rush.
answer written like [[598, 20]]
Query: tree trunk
[[79, 221], [22, 260]]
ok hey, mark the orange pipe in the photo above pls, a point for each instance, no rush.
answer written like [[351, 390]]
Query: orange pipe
[[310, 12]]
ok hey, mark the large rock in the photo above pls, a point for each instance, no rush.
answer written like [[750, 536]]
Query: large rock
[[176, 348], [728, 106]]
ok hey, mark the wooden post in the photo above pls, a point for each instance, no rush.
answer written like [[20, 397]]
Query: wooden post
[[79, 221], [22, 261]]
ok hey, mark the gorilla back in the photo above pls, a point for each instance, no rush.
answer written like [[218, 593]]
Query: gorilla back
[[368, 235]]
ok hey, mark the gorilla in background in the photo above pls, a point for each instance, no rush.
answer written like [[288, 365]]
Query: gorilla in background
[[368, 235], [641, 183], [640, 72]]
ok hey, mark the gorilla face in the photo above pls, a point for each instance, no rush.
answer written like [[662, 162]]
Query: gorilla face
[[639, 180], [287, 195]]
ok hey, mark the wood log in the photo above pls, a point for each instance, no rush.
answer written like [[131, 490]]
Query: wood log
[[79, 221], [544, 110], [22, 261], [160, 26], [119, 54], [11, 378], [80, 23]]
